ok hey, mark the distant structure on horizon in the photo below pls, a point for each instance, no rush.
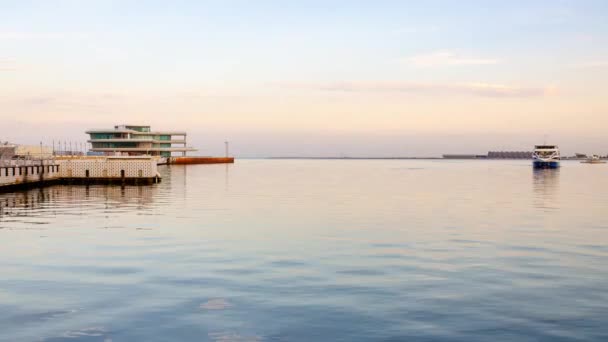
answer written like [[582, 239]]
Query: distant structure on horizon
[[492, 155], [465, 156], [510, 154], [136, 140]]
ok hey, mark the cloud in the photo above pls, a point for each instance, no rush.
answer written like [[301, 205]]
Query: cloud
[[417, 29], [447, 58], [40, 35], [592, 64], [8, 65], [477, 89], [39, 100], [62, 101]]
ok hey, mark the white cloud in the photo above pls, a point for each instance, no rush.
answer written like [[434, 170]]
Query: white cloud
[[8, 65], [447, 58], [592, 64], [417, 29], [471, 88], [40, 35]]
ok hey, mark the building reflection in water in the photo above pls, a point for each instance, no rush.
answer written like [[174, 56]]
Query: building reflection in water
[[546, 188], [227, 177], [58, 197]]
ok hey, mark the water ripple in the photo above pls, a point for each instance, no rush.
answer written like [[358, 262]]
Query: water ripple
[[267, 250]]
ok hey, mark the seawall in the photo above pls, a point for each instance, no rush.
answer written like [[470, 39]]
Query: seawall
[[78, 170]]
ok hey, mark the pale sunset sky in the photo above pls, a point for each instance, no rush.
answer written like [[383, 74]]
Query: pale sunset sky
[[310, 78]]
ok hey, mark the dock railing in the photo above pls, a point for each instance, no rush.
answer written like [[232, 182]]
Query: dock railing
[[27, 161]]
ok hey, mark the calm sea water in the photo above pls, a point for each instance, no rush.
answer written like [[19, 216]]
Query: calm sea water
[[312, 250]]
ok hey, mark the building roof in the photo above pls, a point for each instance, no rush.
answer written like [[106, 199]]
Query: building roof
[[125, 125], [148, 140], [112, 130]]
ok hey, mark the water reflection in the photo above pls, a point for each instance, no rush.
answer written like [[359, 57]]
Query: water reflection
[[77, 198], [227, 176], [304, 250], [546, 188]]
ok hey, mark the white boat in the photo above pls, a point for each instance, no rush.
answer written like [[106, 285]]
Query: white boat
[[594, 159], [546, 157]]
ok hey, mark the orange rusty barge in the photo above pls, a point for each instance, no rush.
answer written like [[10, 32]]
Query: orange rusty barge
[[200, 160]]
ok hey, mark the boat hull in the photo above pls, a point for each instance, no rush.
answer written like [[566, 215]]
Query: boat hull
[[539, 164]]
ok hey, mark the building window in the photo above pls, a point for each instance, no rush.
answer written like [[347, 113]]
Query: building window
[[139, 128], [115, 145], [102, 135]]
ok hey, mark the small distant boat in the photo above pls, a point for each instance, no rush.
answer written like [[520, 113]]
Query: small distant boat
[[594, 159], [546, 157]]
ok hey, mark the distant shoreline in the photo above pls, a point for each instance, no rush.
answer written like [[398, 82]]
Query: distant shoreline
[[357, 158], [400, 158]]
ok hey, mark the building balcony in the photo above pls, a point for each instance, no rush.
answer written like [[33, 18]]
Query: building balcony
[[113, 131], [143, 149], [135, 140]]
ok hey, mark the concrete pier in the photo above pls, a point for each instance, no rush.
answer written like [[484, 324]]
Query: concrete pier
[[27, 173], [78, 170]]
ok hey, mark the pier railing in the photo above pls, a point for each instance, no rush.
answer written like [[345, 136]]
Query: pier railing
[[27, 161]]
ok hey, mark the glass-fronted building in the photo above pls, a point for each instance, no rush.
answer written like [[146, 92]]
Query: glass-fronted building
[[138, 140]]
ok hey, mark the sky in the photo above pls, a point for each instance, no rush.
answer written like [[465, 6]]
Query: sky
[[310, 78]]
